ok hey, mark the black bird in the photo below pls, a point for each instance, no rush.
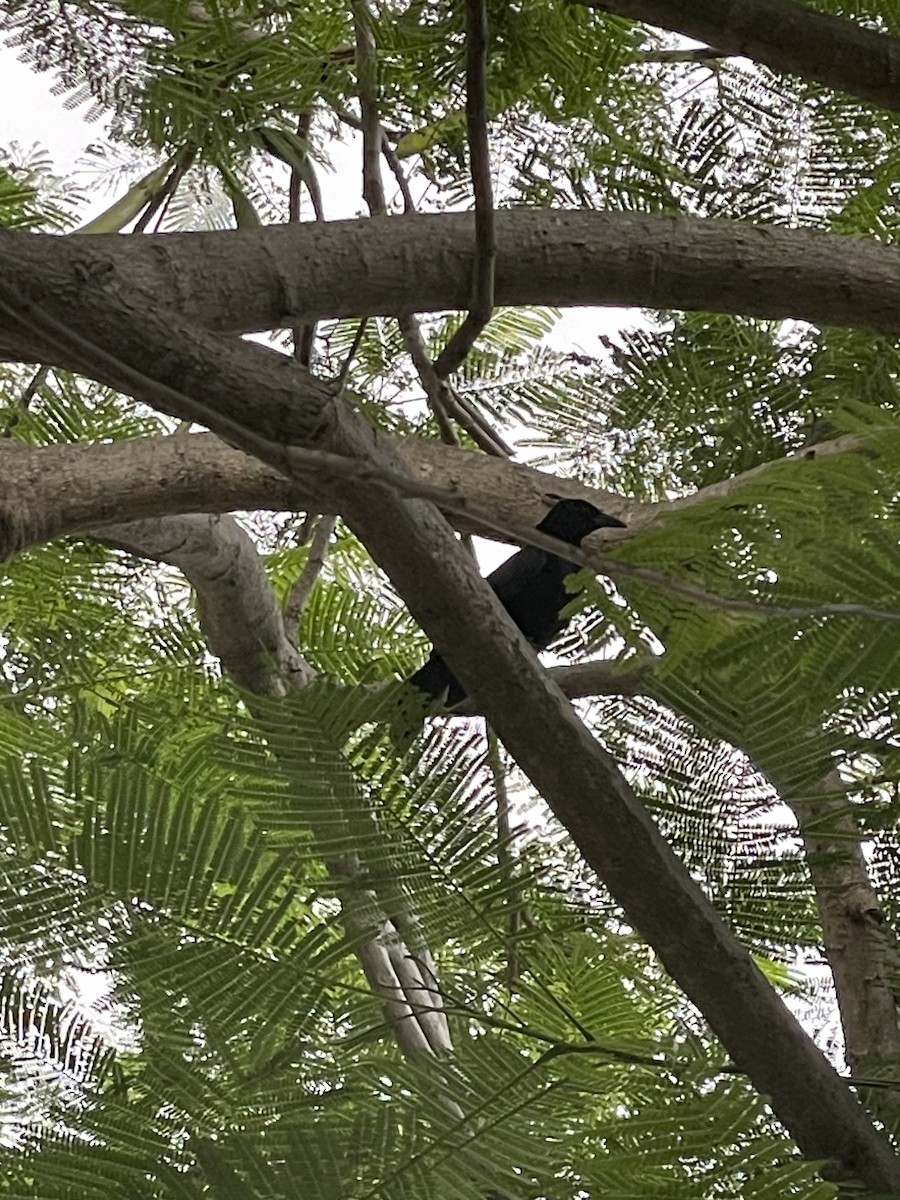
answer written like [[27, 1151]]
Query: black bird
[[531, 587]]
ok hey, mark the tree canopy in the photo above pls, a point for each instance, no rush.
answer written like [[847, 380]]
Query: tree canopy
[[624, 924]]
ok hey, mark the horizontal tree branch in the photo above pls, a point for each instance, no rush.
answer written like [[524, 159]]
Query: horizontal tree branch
[[257, 279], [50, 491]]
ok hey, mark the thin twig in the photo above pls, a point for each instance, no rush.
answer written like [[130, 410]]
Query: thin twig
[[304, 335], [480, 167], [168, 187], [435, 389], [443, 399], [305, 581], [390, 157], [22, 404], [341, 377], [476, 426], [696, 55]]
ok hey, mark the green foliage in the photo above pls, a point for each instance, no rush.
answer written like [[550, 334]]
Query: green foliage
[[190, 876]]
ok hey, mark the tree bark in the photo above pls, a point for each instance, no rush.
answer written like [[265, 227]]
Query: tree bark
[[784, 36], [241, 281]]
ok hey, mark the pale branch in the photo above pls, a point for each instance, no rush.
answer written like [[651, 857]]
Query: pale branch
[[482, 302], [787, 37], [305, 581], [412, 1012], [860, 947], [265, 402], [250, 280], [237, 607], [312, 404]]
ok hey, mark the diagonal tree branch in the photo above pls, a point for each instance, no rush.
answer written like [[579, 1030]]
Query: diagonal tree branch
[[785, 36], [237, 607]]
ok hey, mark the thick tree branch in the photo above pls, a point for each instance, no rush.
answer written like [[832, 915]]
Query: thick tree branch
[[245, 280], [785, 36], [50, 491]]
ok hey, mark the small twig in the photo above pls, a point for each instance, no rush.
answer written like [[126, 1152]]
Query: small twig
[[22, 404], [476, 426], [696, 55], [168, 188], [304, 335], [341, 377], [303, 585], [753, 608], [347, 118], [480, 167], [390, 157], [435, 389], [444, 401]]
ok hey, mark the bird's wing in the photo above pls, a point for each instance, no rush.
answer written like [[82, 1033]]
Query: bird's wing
[[518, 573]]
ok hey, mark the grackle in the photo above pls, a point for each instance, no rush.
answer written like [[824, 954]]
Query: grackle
[[531, 587]]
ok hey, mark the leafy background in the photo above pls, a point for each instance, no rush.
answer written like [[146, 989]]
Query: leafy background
[[181, 1008]]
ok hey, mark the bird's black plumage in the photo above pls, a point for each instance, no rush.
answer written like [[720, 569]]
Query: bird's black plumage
[[531, 587]]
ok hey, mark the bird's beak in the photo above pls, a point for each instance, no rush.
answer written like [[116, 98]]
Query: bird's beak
[[608, 522]]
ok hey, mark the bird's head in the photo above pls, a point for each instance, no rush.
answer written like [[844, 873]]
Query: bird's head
[[572, 520]]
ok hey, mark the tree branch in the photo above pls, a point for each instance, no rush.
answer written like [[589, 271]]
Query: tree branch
[[237, 607], [305, 581], [482, 303], [255, 279], [785, 36]]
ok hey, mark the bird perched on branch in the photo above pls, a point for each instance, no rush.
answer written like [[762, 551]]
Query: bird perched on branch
[[531, 587]]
